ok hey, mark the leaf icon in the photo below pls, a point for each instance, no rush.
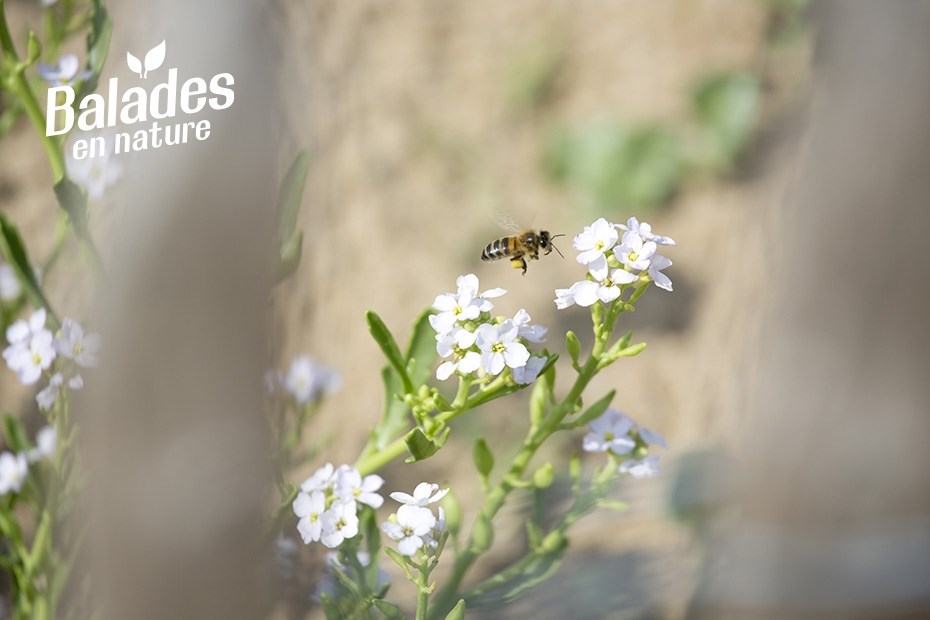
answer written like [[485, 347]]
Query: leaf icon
[[134, 63], [154, 58]]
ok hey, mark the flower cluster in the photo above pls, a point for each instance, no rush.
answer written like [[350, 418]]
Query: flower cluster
[[15, 467], [617, 433], [414, 526], [470, 340], [612, 265], [328, 503], [306, 380], [33, 349]]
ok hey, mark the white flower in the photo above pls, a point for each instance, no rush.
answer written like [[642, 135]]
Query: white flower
[[73, 344], [565, 297], [10, 288], [411, 529], [46, 441], [65, 72], [350, 486], [48, 396], [94, 174], [29, 357], [530, 333], [13, 470], [307, 380], [432, 539], [499, 347], [645, 468], [635, 253], [644, 230], [321, 479], [527, 374], [659, 263], [425, 493], [457, 343], [605, 287], [610, 432], [470, 282], [339, 522], [309, 508], [463, 305], [594, 241], [20, 331]]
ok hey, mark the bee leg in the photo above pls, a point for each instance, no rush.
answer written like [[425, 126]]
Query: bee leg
[[519, 263]]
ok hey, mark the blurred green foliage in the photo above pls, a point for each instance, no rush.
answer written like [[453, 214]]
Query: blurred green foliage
[[533, 76], [610, 164]]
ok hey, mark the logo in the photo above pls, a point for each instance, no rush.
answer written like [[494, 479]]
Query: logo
[[176, 106]]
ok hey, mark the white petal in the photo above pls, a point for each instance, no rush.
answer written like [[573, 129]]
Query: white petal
[[598, 268], [445, 370], [585, 293]]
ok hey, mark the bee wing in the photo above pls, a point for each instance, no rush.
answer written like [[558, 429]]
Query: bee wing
[[506, 221]]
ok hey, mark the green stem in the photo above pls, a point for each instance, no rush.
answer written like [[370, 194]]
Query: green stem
[[534, 439], [422, 592]]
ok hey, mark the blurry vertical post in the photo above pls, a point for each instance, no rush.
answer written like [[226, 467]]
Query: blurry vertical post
[[175, 434], [836, 503]]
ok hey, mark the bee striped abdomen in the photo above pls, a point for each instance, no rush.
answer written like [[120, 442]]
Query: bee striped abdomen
[[498, 249]]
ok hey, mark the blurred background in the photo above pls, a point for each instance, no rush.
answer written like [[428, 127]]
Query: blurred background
[[426, 121]]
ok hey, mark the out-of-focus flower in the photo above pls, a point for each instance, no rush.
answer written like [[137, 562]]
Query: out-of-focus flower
[[410, 528], [610, 432], [321, 479], [340, 521], [645, 468], [63, 73], [13, 470], [350, 486], [309, 508], [308, 381], [46, 441], [327, 584], [425, 493], [31, 348], [94, 174], [500, 348], [10, 289], [72, 343]]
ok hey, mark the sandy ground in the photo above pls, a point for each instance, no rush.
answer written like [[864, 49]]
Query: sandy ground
[[414, 149]]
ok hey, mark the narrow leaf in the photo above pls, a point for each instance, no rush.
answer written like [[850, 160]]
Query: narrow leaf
[[484, 459], [388, 345], [290, 196], [16, 437], [14, 251], [458, 612], [596, 410]]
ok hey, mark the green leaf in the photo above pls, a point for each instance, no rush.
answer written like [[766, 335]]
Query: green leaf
[[422, 447], [98, 44], [390, 610], [33, 48], [289, 256], [513, 582], [388, 345], [14, 251], [482, 533], [596, 410], [633, 350], [539, 401], [484, 459], [395, 555], [290, 195], [573, 346], [17, 438], [421, 352], [458, 612]]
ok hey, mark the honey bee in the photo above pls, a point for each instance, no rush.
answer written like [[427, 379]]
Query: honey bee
[[521, 247]]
